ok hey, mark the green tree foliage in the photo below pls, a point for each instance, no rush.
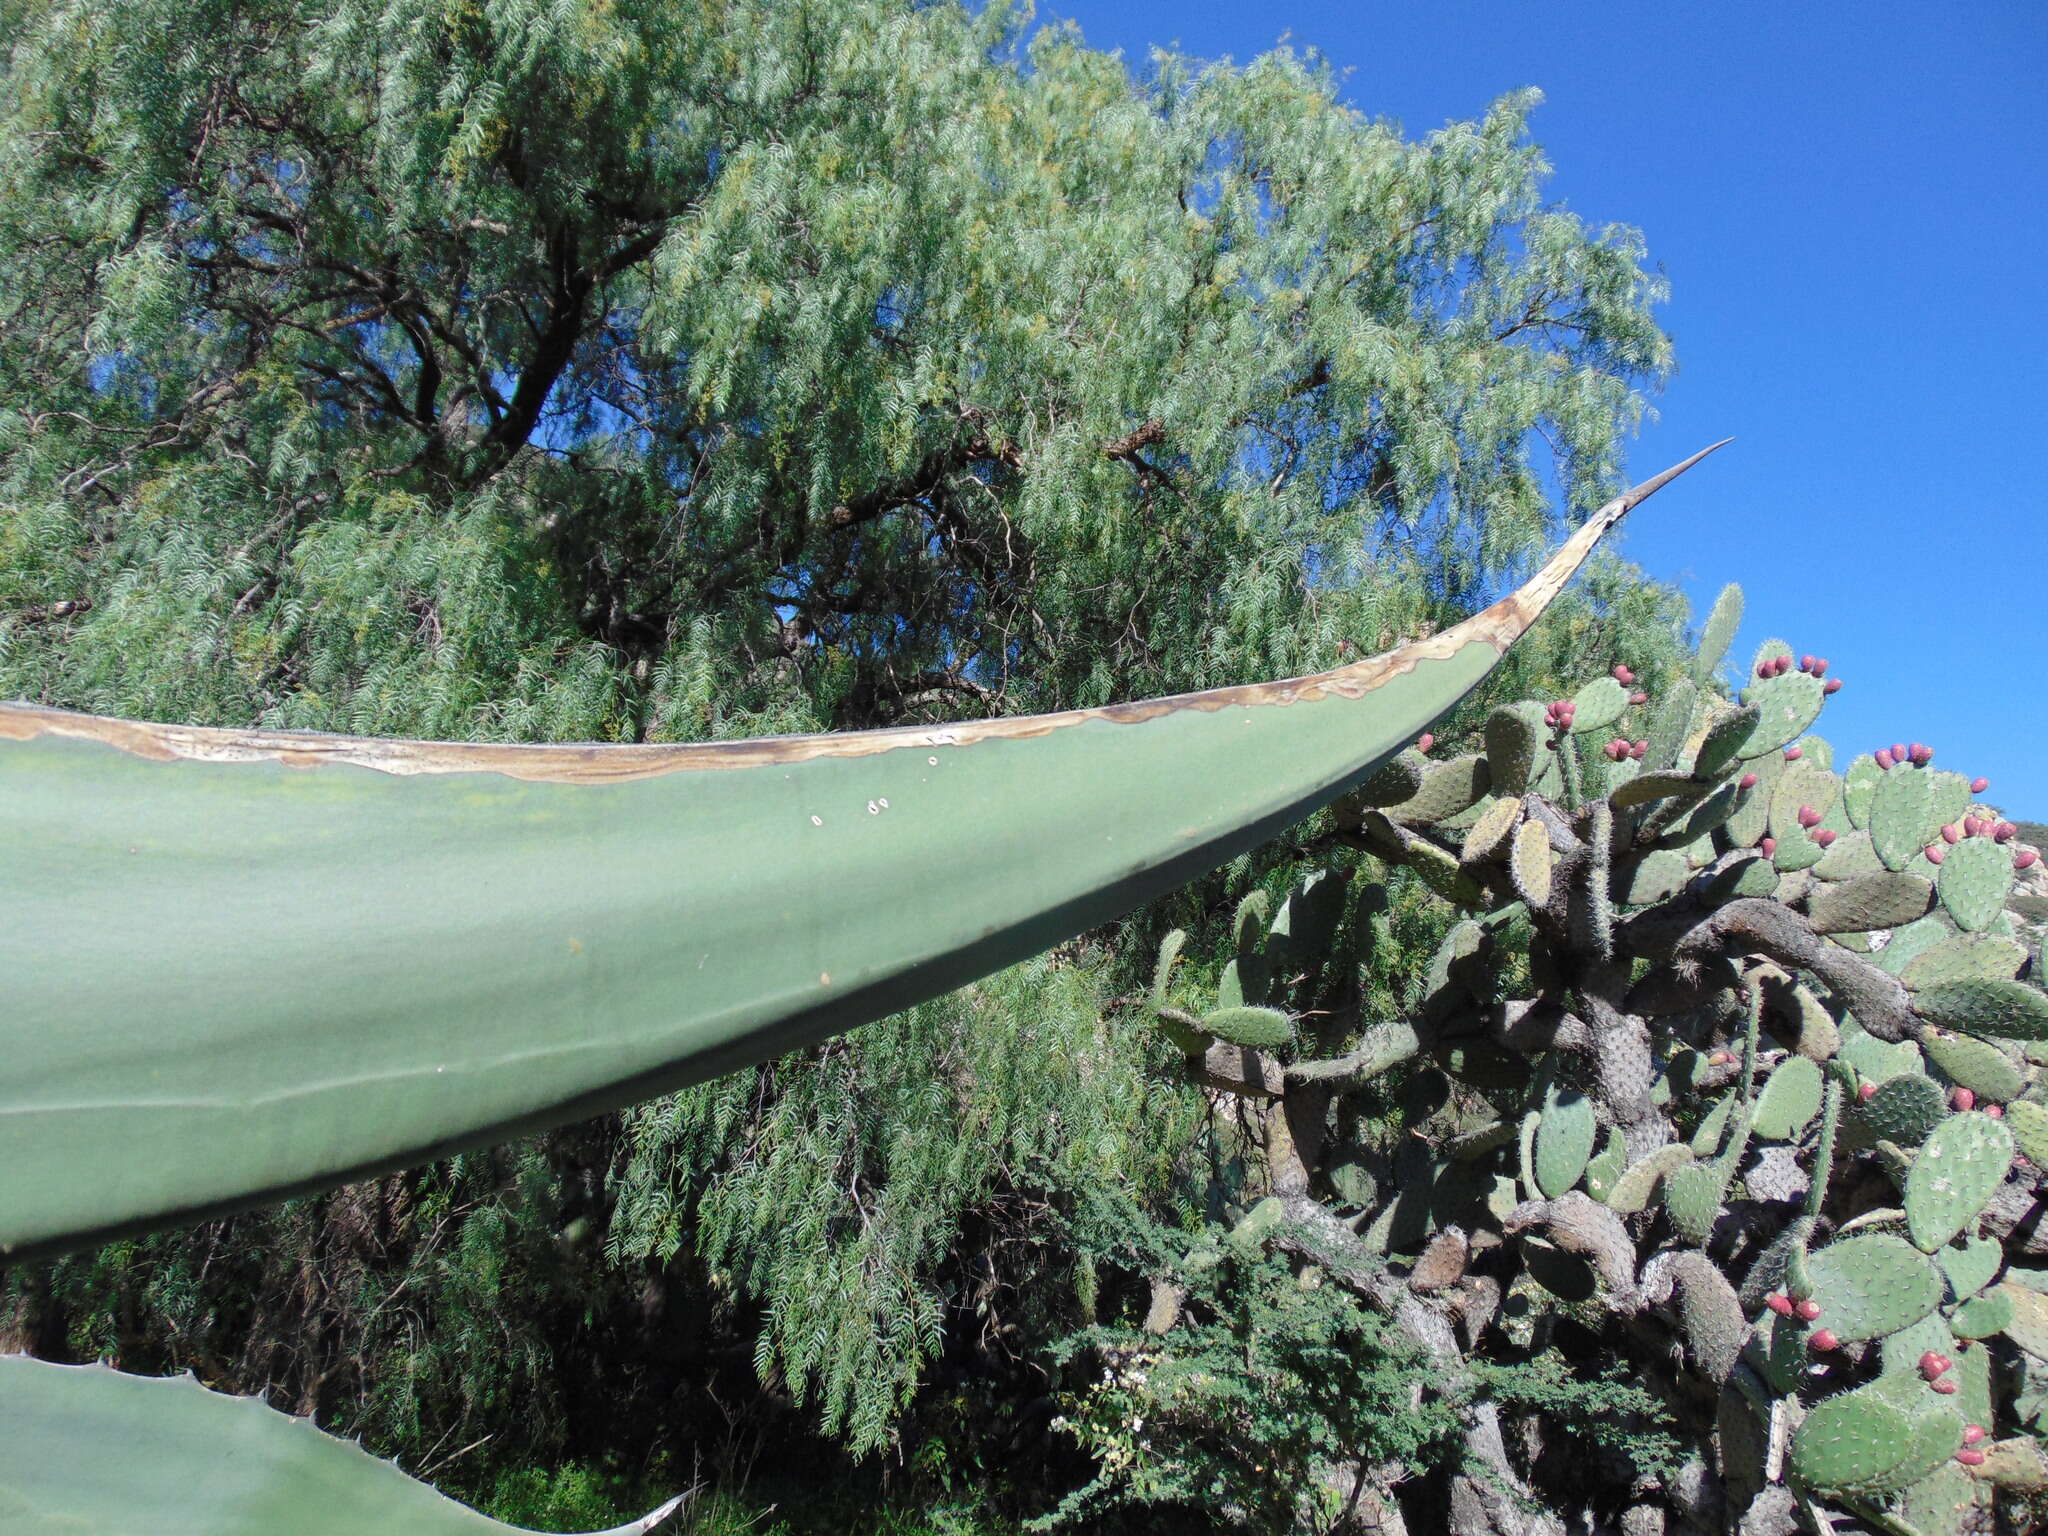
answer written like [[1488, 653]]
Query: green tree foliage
[[647, 371]]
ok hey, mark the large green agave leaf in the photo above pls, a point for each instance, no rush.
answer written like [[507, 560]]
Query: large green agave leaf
[[87, 1451], [236, 965]]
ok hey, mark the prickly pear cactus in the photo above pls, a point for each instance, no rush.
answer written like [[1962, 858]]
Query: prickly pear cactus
[[1726, 1046]]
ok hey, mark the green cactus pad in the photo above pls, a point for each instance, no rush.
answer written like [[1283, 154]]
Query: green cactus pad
[[2029, 1325], [1751, 818], [1951, 800], [1905, 1109], [1515, 735], [1786, 705], [1902, 815], [1975, 882], [1876, 1060], [2029, 1122], [1693, 831], [1607, 1167], [1966, 957], [1263, 1028], [1872, 1284], [1646, 787], [1447, 788], [1801, 784], [1976, 1065], [1790, 1099], [1565, 1132], [1397, 781], [1973, 1375], [1982, 1316], [1487, 838], [1901, 1351], [2008, 1010], [1598, 705], [1849, 856], [1162, 969], [1631, 1192], [1723, 619], [1692, 1198], [1816, 750], [1960, 1164], [1859, 788], [1861, 1444], [1869, 901], [1946, 1502], [1653, 876], [1970, 1265], [1670, 726], [1907, 944], [1724, 738], [1797, 851], [1530, 863], [1706, 1138]]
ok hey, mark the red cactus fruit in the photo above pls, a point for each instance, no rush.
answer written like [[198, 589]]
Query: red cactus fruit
[[1425, 741], [1979, 785], [1995, 1111], [1822, 1340], [1951, 833], [1898, 751], [1930, 1365], [1806, 662], [1612, 751], [1808, 1310], [1833, 685], [1867, 1092], [1779, 1303], [1921, 754], [2025, 859], [1763, 668], [1623, 676], [1935, 853], [1769, 846], [1963, 1098], [1884, 757], [1640, 750], [2004, 832], [1972, 1433], [1808, 816], [1719, 1059], [1947, 1364], [1824, 837], [1784, 665], [1793, 754], [1819, 667], [1970, 1458], [1639, 697], [1946, 1388], [1748, 781], [1972, 826]]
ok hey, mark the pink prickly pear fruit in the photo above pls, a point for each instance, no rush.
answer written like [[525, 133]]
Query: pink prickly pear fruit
[[1979, 785], [1793, 754], [1764, 669], [1930, 1365], [1824, 837], [1969, 1457], [1639, 697], [1935, 853], [1947, 1388], [1833, 685], [1808, 1310], [1640, 750], [1963, 1099], [1822, 1340], [1951, 834], [1920, 753], [1425, 741], [1808, 816], [1995, 1111], [1972, 1433], [1866, 1092], [1819, 667], [1769, 846], [1972, 826], [2026, 858], [1747, 781], [1779, 1303], [1612, 751], [1946, 1364], [2004, 832], [1784, 665], [1898, 751], [1806, 662], [1623, 676], [1884, 757], [1550, 717], [1719, 1059]]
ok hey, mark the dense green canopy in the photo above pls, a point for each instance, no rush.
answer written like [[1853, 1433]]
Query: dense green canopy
[[648, 370]]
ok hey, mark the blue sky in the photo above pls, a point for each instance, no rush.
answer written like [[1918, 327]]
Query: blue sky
[[1851, 205]]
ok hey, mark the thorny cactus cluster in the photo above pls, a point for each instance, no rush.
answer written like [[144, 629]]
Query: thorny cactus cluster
[[1732, 1057]]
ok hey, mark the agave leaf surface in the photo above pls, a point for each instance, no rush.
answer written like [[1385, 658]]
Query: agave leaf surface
[[88, 1451], [238, 965]]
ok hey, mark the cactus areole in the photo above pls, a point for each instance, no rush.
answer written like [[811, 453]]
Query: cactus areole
[[243, 964]]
